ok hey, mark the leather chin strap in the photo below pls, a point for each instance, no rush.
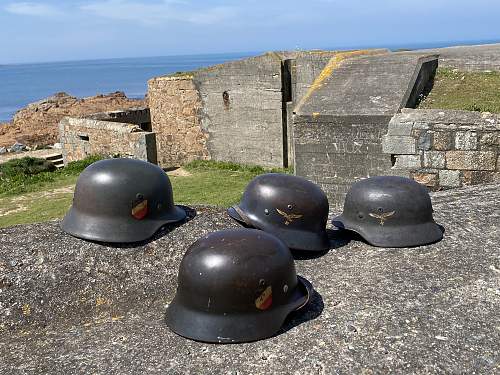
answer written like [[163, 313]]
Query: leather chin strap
[[243, 216]]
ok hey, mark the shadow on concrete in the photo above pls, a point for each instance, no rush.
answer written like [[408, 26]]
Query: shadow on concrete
[[309, 312], [164, 230], [337, 239]]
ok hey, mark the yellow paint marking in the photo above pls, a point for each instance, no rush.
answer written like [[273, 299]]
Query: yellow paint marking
[[26, 309], [333, 64]]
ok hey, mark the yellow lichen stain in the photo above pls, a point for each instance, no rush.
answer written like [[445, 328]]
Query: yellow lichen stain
[[315, 114], [100, 301], [117, 317], [26, 309], [333, 64]]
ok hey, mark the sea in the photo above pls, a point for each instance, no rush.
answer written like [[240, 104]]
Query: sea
[[21, 84]]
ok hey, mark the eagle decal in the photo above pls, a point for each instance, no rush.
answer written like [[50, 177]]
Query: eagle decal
[[383, 216], [288, 217]]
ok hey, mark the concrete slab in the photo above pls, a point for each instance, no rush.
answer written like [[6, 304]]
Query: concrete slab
[[366, 85], [470, 58], [68, 306]]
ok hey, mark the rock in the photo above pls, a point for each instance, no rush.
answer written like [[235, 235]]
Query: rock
[[3, 150], [37, 123], [17, 147], [57, 146]]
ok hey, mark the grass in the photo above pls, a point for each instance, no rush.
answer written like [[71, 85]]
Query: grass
[[470, 91], [204, 182]]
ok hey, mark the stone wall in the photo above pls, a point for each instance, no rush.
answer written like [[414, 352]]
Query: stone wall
[[82, 137], [445, 149], [175, 106]]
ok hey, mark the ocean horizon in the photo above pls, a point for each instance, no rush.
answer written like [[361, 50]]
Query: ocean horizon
[[25, 83]]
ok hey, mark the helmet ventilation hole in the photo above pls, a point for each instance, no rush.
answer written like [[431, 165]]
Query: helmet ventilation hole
[[285, 288], [266, 211], [380, 209], [360, 215], [139, 196], [290, 206], [262, 282]]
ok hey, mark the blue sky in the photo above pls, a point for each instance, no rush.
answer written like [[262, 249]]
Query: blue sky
[[49, 30]]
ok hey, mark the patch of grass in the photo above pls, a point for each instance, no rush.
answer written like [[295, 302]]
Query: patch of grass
[[30, 175], [208, 182], [470, 91]]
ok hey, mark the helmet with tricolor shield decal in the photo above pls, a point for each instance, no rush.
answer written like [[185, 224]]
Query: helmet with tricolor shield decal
[[292, 208], [121, 200], [390, 211], [235, 285]]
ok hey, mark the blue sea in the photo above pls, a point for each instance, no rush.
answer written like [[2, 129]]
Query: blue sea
[[21, 84]]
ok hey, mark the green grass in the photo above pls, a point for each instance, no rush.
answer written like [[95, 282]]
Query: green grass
[[470, 91], [206, 182]]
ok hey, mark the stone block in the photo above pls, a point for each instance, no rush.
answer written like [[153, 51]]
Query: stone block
[[434, 159], [408, 162], [466, 140], [424, 141], [427, 179], [477, 177], [471, 160], [449, 178], [442, 141], [399, 145], [399, 128], [490, 139]]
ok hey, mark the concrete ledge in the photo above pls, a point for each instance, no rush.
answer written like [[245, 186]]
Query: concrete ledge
[[68, 306]]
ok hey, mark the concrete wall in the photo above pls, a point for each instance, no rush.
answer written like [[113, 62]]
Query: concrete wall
[[175, 106], [81, 137], [334, 151], [341, 119], [138, 116], [242, 110], [444, 149]]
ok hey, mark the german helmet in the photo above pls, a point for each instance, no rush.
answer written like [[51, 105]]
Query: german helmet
[[121, 200], [235, 285], [390, 211], [292, 208]]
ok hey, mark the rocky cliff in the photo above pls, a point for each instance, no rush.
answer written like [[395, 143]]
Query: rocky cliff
[[36, 124]]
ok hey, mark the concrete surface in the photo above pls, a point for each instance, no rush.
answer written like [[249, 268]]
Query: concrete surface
[[74, 307], [472, 58]]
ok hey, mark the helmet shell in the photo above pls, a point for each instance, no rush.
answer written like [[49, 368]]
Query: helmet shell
[[235, 285], [121, 200], [390, 211], [290, 207]]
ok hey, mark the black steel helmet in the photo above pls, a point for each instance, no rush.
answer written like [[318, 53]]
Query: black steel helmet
[[121, 200], [235, 285], [390, 211], [290, 207]]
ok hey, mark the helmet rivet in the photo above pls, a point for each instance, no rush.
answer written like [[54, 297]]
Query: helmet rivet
[[290, 206], [262, 282], [285, 288], [139, 196], [360, 215], [266, 211]]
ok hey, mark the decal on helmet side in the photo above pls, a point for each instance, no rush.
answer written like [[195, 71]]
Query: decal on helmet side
[[140, 210], [383, 216], [288, 217], [265, 300]]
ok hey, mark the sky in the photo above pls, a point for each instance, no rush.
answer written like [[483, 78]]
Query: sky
[[50, 30]]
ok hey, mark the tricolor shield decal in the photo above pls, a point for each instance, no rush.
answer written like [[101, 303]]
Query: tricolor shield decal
[[140, 210], [265, 300]]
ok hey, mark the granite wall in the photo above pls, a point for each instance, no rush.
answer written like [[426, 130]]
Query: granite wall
[[82, 137], [175, 106], [444, 148]]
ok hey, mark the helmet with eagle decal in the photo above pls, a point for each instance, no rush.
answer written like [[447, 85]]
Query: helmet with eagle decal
[[235, 285], [121, 200], [390, 211], [290, 207]]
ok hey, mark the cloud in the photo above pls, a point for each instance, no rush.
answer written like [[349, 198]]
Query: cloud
[[153, 13], [33, 9]]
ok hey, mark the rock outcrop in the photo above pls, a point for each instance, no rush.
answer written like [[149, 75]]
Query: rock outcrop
[[36, 124]]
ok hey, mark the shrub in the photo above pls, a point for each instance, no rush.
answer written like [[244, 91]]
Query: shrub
[[27, 166]]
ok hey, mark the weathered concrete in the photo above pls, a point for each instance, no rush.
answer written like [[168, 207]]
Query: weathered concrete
[[340, 121], [471, 58], [68, 306]]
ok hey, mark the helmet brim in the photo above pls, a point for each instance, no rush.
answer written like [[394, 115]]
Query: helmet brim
[[294, 239], [397, 236], [230, 328], [110, 229]]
